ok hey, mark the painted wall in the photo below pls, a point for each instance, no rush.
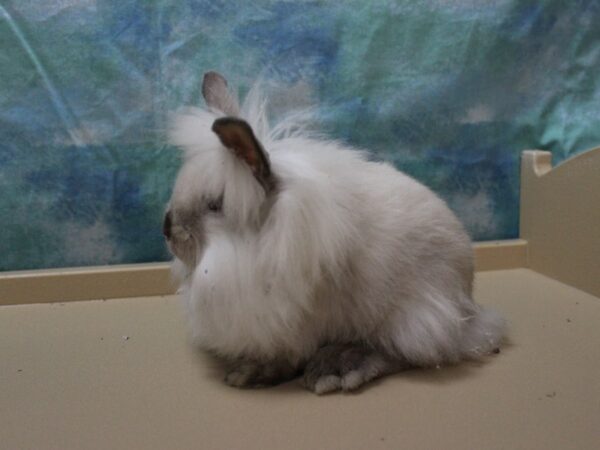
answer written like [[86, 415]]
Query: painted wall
[[448, 90]]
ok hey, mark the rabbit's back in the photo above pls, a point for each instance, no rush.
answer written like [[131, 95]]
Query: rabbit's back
[[399, 244]]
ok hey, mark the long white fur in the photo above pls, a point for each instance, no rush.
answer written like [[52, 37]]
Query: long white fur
[[346, 251]]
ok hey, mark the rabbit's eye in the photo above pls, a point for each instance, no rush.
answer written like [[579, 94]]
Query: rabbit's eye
[[214, 205]]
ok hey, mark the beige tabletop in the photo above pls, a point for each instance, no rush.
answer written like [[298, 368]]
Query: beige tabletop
[[120, 374]]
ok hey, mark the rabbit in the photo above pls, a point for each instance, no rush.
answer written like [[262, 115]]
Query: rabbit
[[297, 256]]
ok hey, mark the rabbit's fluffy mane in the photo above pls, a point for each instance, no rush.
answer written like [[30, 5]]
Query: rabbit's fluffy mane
[[269, 249]]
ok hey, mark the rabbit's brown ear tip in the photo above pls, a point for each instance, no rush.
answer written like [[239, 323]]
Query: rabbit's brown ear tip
[[218, 125], [223, 122], [212, 76], [236, 134]]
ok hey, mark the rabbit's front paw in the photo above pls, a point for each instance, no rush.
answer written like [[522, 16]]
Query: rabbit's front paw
[[251, 374], [346, 367]]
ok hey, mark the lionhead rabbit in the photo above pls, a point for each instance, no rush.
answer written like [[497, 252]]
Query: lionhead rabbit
[[297, 255]]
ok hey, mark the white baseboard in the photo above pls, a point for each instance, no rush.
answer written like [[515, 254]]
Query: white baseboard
[[86, 283]]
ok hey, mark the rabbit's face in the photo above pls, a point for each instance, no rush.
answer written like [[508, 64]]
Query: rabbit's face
[[224, 180], [183, 236], [185, 222]]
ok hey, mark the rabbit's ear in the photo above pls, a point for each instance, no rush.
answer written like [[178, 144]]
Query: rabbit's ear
[[237, 135], [218, 96]]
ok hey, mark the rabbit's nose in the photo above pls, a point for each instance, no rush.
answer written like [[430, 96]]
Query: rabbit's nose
[[166, 229]]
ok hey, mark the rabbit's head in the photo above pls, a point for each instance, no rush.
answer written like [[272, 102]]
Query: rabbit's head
[[225, 178]]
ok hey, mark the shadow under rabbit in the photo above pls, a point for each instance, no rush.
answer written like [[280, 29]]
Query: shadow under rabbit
[[214, 368]]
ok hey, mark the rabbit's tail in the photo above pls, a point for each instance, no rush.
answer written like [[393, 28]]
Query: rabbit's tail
[[483, 333], [436, 330]]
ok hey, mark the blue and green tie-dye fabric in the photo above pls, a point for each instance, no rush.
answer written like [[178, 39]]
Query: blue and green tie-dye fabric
[[448, 90]]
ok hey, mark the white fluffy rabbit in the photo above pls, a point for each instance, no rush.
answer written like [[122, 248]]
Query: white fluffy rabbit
[[297, 255]]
